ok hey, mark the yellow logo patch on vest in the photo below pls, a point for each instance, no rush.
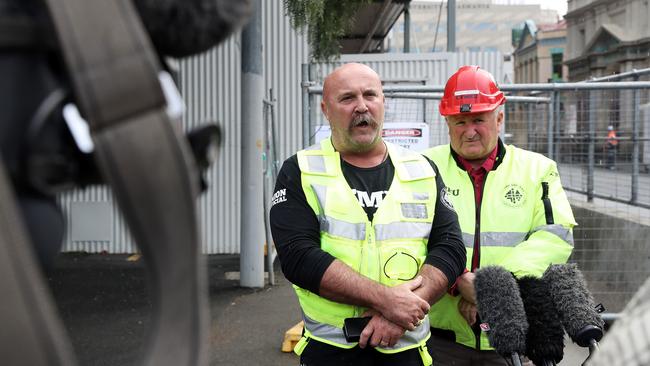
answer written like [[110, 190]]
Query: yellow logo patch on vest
[[513, 195]]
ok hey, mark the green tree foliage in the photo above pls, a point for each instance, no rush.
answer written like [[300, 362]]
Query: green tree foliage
[[325, 22]]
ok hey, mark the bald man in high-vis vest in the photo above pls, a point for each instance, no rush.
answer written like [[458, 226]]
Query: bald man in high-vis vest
[[363, 229]]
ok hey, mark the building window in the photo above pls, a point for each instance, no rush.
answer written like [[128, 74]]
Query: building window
[[557, 66]]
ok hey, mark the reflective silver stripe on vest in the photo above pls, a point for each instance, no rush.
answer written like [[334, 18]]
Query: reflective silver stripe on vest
[[412, 337], [507, 239], [325, 331], [335, 335], [415, 169], [421, 196], [495, 239], [468, 239], [321, 195], [316, 164], [402, 230], [343, 229], [414, 210], [559, 230], [502, 239]]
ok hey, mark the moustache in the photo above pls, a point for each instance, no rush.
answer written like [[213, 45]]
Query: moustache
[[363, 118]]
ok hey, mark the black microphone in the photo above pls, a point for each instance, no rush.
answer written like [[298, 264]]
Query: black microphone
[[575, 304], [500, 306], [545, 338], [181, 28]]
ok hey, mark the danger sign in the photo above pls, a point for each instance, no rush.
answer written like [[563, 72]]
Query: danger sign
[[410, 135]]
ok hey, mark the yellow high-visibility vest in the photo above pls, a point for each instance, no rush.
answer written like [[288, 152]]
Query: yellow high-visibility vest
[[390, 249], [525, 223]]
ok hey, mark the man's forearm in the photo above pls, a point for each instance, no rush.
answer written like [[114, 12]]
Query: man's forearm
[[434, 284], [341, 283]]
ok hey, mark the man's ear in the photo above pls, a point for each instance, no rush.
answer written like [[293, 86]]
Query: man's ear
[[500, 118], [323, 108]]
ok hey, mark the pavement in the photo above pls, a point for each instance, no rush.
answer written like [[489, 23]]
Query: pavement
[[105, 307], [615, 184]]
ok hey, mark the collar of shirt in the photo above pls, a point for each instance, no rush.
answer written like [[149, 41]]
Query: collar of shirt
[[487, 165]]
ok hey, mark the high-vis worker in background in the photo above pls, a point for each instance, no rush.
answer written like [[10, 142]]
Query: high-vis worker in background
[[363, 229], [511, 207], [611, 145]]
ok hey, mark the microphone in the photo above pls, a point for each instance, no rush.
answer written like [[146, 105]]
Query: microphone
[[181, 28], [545, 338], [575, 304], [500, 306]]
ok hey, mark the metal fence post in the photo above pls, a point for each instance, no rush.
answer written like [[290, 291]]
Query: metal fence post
[[305, 105], [558, 125], [551, 127], [635, 146], [313, 108], [529, 126], [592, 145]]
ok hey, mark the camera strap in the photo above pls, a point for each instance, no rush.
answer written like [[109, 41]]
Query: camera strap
[[141, 154], [32, 333]]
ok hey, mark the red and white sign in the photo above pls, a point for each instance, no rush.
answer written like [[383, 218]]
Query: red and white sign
[[410, 135]]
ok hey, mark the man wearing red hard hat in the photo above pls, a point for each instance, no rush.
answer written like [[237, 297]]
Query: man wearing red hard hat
[[511, 207]]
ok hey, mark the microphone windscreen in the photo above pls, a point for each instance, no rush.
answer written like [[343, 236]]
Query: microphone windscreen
[[545, 339], [181, 28], [500, 306], [573, 300]]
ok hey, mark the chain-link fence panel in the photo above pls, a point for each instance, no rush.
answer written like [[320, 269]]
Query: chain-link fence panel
[[599, 135]]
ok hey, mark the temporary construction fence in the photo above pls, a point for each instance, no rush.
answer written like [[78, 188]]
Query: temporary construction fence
[[609, 187]]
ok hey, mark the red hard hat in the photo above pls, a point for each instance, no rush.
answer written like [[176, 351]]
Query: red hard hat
[[471, 90]]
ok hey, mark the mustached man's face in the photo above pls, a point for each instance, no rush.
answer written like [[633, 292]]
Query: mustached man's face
[[353, 103]]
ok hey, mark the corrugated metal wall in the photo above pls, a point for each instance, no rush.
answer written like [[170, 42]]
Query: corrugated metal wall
[[211, 87], [435, 68]]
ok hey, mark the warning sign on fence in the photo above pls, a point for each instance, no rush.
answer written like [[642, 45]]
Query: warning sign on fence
[[411, 135]]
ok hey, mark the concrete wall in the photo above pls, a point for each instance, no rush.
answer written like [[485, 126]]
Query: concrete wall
[[613, 254]]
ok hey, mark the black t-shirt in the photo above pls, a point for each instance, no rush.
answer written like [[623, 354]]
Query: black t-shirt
[[370, 185], [296, 230]]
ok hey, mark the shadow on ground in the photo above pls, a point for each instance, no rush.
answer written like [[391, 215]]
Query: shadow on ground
[[105, 307]]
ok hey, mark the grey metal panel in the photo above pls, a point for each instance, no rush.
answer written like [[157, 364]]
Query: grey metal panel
[[285, 52], [91, 221], [211, 87], [121, 241]]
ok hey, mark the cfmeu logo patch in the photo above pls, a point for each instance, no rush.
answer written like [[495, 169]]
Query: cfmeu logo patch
[[514, 195], [444, 199]]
